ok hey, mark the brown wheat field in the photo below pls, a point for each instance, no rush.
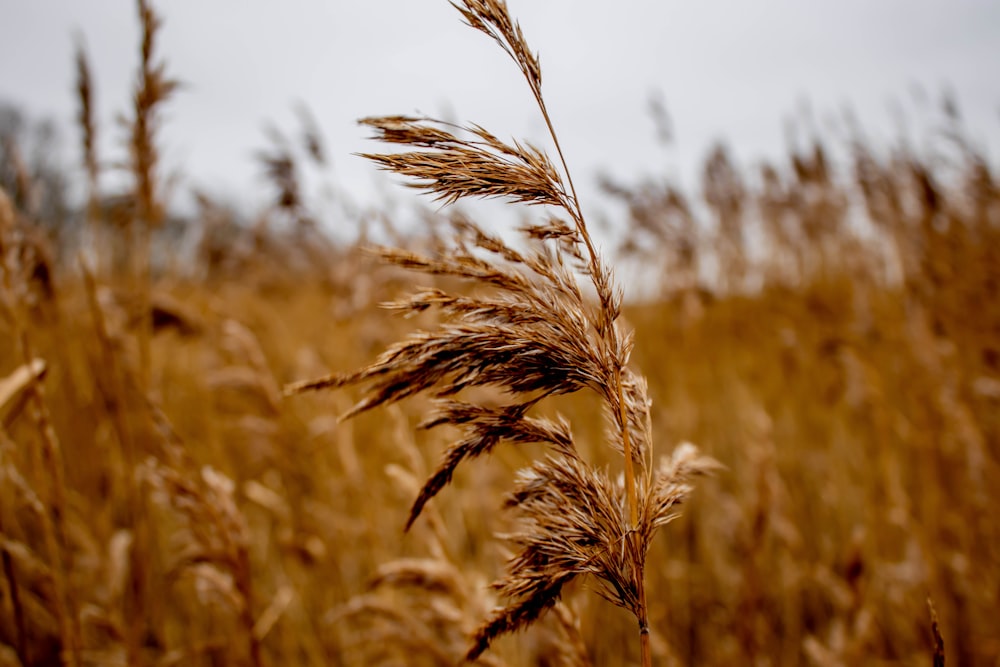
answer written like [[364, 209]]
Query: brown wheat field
[[218, 446]]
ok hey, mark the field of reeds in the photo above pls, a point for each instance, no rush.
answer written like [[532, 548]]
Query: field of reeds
[[813, 479]]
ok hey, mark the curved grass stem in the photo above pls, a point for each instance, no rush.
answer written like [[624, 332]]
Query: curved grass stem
[[607, 317]]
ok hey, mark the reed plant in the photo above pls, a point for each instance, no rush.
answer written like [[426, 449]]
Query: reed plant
[[533, 332], [829, 331]]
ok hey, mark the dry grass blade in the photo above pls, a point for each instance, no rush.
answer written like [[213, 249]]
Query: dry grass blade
[[19, 379]]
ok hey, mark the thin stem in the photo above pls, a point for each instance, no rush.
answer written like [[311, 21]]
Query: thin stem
[[633, 510], [607, 319], [577, 214], [645, 649], [630, 494], [595, 267]]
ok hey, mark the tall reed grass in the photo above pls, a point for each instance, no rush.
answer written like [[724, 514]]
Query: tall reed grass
[[826, 329]]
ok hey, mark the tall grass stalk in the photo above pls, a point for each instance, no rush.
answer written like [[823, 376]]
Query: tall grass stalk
[[153, 87], [536, 336]]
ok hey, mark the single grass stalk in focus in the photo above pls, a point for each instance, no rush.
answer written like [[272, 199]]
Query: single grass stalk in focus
[[534, 334]]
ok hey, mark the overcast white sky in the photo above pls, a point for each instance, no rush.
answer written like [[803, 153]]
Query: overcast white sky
[[733, 69]]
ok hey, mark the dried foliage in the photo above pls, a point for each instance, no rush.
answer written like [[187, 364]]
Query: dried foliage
[[213, 545], [153, 88], [573, 518], [828, 329], [533, 336], [455, 167], [87, 122]]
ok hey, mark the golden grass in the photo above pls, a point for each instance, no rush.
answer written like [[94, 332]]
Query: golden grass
[[534, 336], [175, 508]]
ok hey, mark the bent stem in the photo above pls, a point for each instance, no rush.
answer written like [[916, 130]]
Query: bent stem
[[539, 297], [607, 319], [630, 494]]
